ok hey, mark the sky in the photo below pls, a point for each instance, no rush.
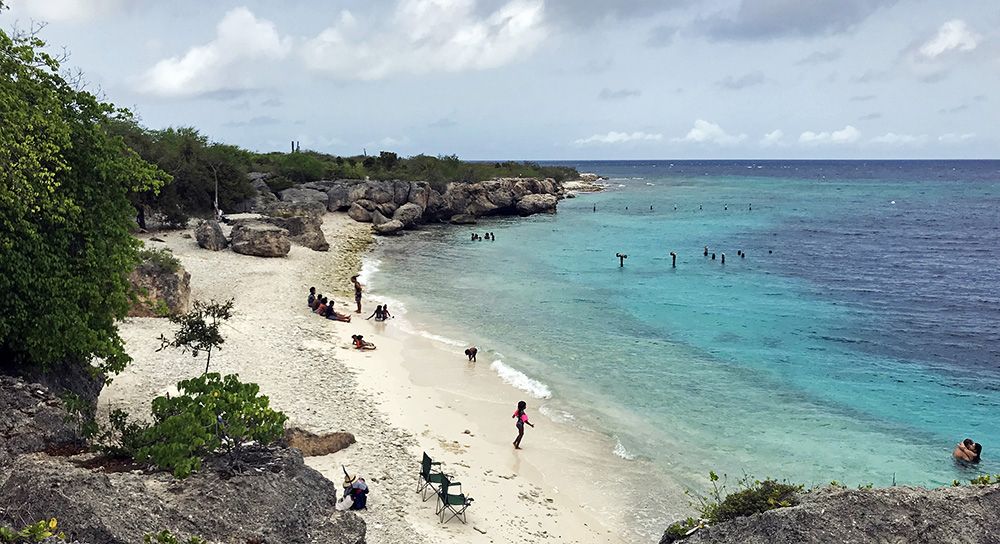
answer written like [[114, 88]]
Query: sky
[[548, 79]]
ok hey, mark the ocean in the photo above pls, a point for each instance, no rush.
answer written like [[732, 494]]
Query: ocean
[[857, 339]]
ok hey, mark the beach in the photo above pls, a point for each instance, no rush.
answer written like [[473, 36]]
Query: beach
[[409, 396]]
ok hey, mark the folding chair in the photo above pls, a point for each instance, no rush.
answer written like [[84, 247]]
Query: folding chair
[[456, 503], [428, 478]]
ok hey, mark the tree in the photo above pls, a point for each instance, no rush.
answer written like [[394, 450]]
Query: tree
[[200, 329], [65, 216]]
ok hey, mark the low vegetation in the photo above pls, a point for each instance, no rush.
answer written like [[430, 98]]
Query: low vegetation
[[36, 532], [163, 259], [200, 329]]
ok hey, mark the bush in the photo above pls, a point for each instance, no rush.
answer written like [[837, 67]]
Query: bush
[[162, 259], [166, 537], [36, 532], [212, 415]]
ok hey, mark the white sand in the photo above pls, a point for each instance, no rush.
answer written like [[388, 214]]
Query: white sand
[[410, 395]]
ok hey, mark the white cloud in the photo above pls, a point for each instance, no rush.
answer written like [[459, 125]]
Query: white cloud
[[846, 135], [894, 139], [954, 35], [619, 138], [953, 138], [426, 36], [227, 63], [70, 11], [706, 132], [772, 138]]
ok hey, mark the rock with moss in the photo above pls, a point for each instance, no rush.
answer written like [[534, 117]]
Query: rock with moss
[[159, 285]]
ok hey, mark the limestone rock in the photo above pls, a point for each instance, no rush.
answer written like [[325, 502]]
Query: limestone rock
[[860, 516], [276, 498], [537, 203], [311, 444], [209, 236], [462, 219], [408, 214], [298, 194], [389, 227], [379, 219], [359, 213], [303, 230], [338, 198], [160, 290], [260, 240], [32, 419]]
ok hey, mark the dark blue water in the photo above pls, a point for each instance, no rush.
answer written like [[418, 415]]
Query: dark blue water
[[858, 340]]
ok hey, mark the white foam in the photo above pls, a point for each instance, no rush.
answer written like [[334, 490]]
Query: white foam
[[520, 380], [620, 451], [561, 416], [369, 267]]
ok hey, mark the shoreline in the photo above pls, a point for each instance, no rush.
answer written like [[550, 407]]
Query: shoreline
[[408, 396]]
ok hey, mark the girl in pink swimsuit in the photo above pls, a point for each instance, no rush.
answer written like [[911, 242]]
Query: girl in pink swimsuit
[[522, 417]]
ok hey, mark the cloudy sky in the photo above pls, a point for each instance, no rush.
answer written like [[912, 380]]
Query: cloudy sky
[[550, 79]]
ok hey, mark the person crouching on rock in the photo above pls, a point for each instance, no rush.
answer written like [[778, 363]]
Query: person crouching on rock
[[967, 451], [357, 490], [471, 353]]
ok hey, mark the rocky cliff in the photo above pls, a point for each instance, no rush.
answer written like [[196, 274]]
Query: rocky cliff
[[966, 514]]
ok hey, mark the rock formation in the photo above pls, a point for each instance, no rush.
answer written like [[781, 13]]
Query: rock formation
[[260, 240], [303, 219], [311, 444], [159, 290], [32, 419], [209, 236], [532, 204], [966, 514], [275, 499]]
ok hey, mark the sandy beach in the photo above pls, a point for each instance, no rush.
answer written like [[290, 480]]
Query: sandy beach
[[409, 396]]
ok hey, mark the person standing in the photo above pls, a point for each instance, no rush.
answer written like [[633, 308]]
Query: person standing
[[357, 292], [522, 418]]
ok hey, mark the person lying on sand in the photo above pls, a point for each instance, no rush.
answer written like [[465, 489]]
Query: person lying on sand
[[471, 353], [968, 451], [331, 314], [361, 343]]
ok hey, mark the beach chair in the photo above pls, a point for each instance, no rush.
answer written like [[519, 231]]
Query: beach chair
[[452, 502], [429, 477]]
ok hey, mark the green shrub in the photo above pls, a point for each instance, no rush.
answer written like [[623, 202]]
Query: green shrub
[[166, 537], [36, 532], [985, 479], [199, 330], [211, 415], [161, 259]]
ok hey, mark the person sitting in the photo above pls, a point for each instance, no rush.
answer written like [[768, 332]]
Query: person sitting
[[471, 353], [385, 312], [378, 314], [312, 296], [315, 302], [361, 343], [321, 307], [356, 488], [331, 314], [968, 451]]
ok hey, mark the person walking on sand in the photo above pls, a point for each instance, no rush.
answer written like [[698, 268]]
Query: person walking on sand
[[522, 418], [357, 292]]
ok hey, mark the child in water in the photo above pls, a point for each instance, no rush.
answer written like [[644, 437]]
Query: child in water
[[522, 417]]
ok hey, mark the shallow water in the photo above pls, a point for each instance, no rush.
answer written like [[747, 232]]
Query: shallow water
[[857, 341]]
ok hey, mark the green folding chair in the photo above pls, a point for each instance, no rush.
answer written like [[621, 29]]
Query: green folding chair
[[428, 478], [452, 502]]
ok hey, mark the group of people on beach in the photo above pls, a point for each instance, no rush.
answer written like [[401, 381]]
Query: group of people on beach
[[323, 306], [487, 236]]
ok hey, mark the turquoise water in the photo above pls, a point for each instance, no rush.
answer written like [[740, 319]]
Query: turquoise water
[[857, 341]]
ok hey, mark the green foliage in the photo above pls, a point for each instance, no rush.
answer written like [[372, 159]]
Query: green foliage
[[162, 259], [299, 167], [679, 530], [955, 483], [65, 215], [122, 438], [212, 415], [986, 479], [837, 485], [166, 537], [81, 414], [36, 532], [200, 329]]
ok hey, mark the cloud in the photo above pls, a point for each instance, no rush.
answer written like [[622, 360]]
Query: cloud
[[953, 138], [819, 57], [618, 94], [619, 138], [444, 122], [224, 65], [768, 19], [871, 76], [427, 36], [67, 11], [863, 98], [741, 82], [706, 132], [847, 135], [955, 109], [259, 121], [899, 140], [589, 13], [870, 116], [772, 138], [953, 35]]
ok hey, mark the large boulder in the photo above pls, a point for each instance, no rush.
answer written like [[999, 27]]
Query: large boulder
[[338, 197], [303, 230], [276, 498], [32, 419], [378, 218], [260, 240], [359, 213], [860, 516], [408, 214], [463, 219], [160, 287], [311, 444], [389, 227], [537, 203], [209, 236], [299, 194], [296, 209]]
